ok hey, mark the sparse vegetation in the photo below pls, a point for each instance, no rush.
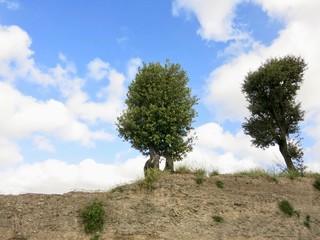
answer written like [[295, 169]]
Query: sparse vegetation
[[95, 237], [286, 207], [316, 183], [291, 174], [256, 172], [93, 219], [200, 175], [306, 222], [118, 189], [183, 170], [217, 218], [214, 173], [149, 180], [220, 184]]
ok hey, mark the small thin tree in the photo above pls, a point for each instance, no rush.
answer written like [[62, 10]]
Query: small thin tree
[[275, 114], [159, 114]]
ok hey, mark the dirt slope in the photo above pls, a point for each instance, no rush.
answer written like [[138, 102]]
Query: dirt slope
[[177, 208]]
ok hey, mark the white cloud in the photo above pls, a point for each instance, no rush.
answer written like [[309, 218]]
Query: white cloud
[[54, 176], [10, 153], [43, 144], [133, 66], [98, 69], [215, 18], [299, 36], [25, 115], [12, 5], [216, 148]]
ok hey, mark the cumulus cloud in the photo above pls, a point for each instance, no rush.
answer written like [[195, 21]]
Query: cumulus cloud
[[133, 66], [43, 144], [299, 36], [216, 148], [215, 18], [55, 176], [25, 115], [10, 153]]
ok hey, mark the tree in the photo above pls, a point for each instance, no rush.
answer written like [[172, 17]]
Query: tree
[[159, 114], [275, 114]]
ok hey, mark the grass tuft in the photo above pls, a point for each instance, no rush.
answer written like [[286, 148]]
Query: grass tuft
[[316, 183], [151, 178], [306, 222], [217, 218], [200, 175], [220, 184], [286, 207], [93, 218], [183, 170], [214, 173]]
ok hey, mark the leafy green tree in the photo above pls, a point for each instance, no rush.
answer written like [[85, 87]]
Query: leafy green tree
[[160, 111], [275, 114]]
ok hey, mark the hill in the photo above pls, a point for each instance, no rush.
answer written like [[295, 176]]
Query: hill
[[244, 207]]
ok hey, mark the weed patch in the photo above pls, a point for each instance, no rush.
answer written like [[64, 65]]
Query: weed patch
[[316, 183], [220, 184], [287, 208], [183, 170], [200, 176], [257, 172], [214, 173], [150, 179], [217, 219], [93, 218], [306, 222]]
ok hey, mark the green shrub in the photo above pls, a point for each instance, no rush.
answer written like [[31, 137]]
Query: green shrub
[[316, 183], [256, 172], [286, 207], [93, 217], [214, 173], [200, 175], [118, 189], [306, 222], [151, 177], [183, 170], [220, 184], [217, 218], [95, 237]]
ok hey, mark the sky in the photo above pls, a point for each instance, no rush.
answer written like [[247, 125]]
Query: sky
[[65, 69]]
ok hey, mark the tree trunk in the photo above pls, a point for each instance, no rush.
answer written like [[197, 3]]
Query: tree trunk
[[283, 146], [169, 163], [153, 162]]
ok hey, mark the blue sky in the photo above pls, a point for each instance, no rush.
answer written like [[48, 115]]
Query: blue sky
[[65, 69]]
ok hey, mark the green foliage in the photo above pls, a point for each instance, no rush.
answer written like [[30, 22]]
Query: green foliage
[[286, 207], [200, 175], [118, 189], [220, 184], [151, 178], [95, 237], [93, 217], [306, 221], [256, 172], [316, 183], [275, 114], [214, 173], [160, 111], [183, 170], [217, 218]]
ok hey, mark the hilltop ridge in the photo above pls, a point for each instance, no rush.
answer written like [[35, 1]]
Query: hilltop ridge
[[175, 208]]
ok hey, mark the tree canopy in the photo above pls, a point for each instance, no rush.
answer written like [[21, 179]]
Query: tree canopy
[[160, 112], [275, 114]]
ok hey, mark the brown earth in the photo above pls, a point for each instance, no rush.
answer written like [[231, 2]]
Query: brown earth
[[178, 208]]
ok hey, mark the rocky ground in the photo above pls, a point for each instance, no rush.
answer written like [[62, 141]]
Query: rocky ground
[[177, 208]]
